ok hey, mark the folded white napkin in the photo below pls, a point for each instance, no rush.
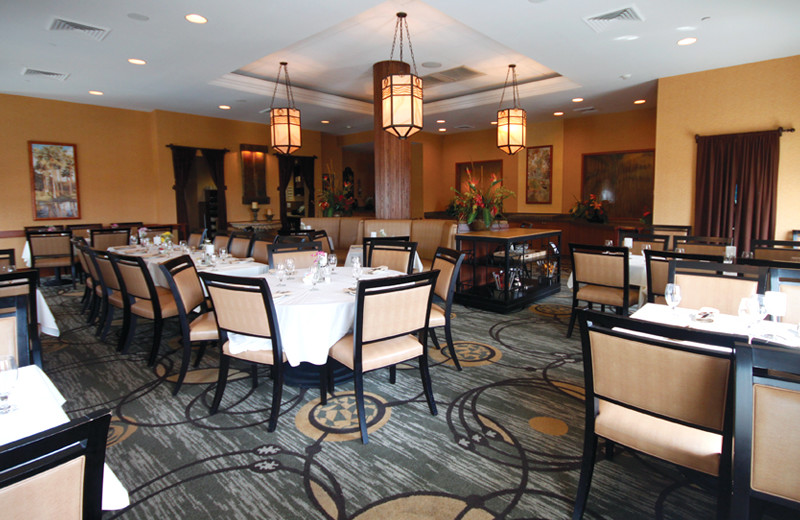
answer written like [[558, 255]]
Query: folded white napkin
[[379, 269], [280, 294]]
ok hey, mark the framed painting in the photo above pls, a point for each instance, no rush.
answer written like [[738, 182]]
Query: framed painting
[[254, 173], [539, 178], [624, 180], [54, 180], [481, 172]]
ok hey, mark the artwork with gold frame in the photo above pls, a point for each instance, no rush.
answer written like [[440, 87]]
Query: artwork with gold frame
[[54, 180], [539, 177]]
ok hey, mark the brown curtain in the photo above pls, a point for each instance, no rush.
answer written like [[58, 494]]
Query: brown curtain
[[736, 186], [182, 159], [216, 162]]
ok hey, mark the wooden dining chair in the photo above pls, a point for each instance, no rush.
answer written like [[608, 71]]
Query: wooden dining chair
[[776, 250], [57, 473], [239, 245], [303, 253], [52, 250], [378, 342], [325, 242], [701, 245], [83, 230], [19, 312], [157, 230], [197, 320], [656, 242], [142, 298], [672, 231], [111, 297], [657, 269], [718, 285], [291, 239], [766, 464], [259, 250], [110, 237], [196, 238], [221, 241], [448, 263], [397, 255], [659, 390], [600, 276], [244, 306], [8, 259]]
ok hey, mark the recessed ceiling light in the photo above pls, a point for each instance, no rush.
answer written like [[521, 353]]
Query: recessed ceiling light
[[440, 121], [493, 123], [95, 93], [558, 113], [443, 129], [138, 17], [687, 41], [431, 64], [325, 122], [577, 99], [224, 107], [685, 28], [196, 18], [625, 76], [137, 61], [640, 102], [626, 38]]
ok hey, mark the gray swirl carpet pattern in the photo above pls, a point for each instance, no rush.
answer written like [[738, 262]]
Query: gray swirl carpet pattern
[[505, 444]]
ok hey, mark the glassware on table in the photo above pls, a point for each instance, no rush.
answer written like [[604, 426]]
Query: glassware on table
[[332, 260], [680, 250], [134, 240], [280, 273], [748, 311], [316, 276], [357, 271], [223, 254], [8, 380], [184, 246], [609, 243], [290, 267], [672, 293]]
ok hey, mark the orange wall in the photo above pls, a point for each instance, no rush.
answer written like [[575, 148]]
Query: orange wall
[[745, 98], [632, 130]]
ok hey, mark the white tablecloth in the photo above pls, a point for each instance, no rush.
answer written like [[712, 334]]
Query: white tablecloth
[[358, 251], [26, 254], [47, 322], [312, 321], [38, 407]]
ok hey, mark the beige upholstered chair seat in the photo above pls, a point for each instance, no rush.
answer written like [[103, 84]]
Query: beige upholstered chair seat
[[204, 328], [256, 356], [54, 261], [378, 354], [682, 445], [606, 295], [437, 318]]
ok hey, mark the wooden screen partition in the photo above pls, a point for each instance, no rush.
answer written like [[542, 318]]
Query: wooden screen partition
[[622, 180], [254, 173]]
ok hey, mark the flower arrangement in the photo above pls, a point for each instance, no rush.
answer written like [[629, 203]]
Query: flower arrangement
[[143, 232], [477, 203], [591, 209], [166, 236], [337, 201], [647, 217]]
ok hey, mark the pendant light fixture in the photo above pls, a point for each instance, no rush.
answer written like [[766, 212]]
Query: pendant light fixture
[[285, 122], [401, 94], [511, 122]]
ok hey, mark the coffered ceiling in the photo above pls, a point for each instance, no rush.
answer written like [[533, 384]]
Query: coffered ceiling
[[609, 53]]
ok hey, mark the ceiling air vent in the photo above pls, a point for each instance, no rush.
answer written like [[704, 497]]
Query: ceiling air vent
[[605, 21], [60, 76], [584, 110], [450, 76], [96, 33]]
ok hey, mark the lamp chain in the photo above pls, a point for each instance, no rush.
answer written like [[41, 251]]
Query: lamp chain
[[289, 96], [398, 28], [512, 71]]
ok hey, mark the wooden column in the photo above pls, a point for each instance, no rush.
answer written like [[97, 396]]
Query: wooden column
[[392, 155]]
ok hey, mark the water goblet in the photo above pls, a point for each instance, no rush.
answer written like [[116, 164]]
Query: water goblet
[[280, 273], [356, 261], [134, 240], [332, 262], [748, 311], [357, 270], [645, 247], [223, 254], [672, 293], [609, 243], [8, 379], [316, 276], [290, 267]]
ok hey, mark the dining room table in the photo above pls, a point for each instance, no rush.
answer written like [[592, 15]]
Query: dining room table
[[38, 406]]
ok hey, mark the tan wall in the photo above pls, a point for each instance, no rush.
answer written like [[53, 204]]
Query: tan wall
[[745, 98], [632, 130], [543, 134]]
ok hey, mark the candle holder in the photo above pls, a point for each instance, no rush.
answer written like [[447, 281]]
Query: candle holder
[[255, 213]]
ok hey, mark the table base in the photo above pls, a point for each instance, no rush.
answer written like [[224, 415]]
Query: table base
[[306, 375]]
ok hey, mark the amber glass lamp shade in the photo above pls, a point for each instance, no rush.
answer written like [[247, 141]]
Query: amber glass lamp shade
[[401, 96], [285, 130], [511, 130]]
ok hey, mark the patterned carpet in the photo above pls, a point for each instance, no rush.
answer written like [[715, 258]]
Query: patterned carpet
[[506, 443]]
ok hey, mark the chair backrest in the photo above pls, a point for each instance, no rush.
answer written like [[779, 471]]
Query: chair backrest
[[671, 231], [18, 310], [107, 275], [717, 285], [657, 268], [57, 473], [51, 227], [767, 456], [321, 236], [662, 373], [599, 265], [259, 251], [303, 253], [82, 230], [701, 245], [221, 241], [110, 237], [195, 239], [291, 239], [397, 255], [448, 263], [656, 242], [135, 279], [7, 258], [185, 285], [50, 244], [239, 246], [776, 250], [367, 241], [407, 297], [158, 230], [244, 306]]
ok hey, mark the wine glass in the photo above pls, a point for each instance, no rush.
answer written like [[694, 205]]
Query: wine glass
[[645, 247], [609, 243], [223, 254], [290, 267], [748, 311], [8, 379], [281, 273], [672, 293], [332, 261], [357, 271], [316, 276]]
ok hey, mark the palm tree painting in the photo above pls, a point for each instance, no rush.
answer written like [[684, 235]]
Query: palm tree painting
[[55, 180]]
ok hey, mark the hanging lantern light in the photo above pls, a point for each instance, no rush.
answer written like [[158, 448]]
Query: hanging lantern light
[[511, 122], [401, 94], [285, 122]]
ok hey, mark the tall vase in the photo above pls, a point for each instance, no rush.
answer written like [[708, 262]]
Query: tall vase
[[478, 225]]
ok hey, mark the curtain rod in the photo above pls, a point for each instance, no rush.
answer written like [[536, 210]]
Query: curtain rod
[[170, 145], [780, 131]]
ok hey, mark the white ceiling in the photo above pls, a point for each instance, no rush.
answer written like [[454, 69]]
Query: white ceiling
[[331, 46]]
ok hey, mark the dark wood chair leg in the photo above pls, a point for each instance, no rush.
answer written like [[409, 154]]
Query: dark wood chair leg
[[358, 378], [434, 338], [393, 374], [128, 331], [158, 325], [610, 449], [222, 381], [448, 335], [185, 360], [587, 468], [572, 317], [200, 353], [277, 392], [323, 384], [426, 383]]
